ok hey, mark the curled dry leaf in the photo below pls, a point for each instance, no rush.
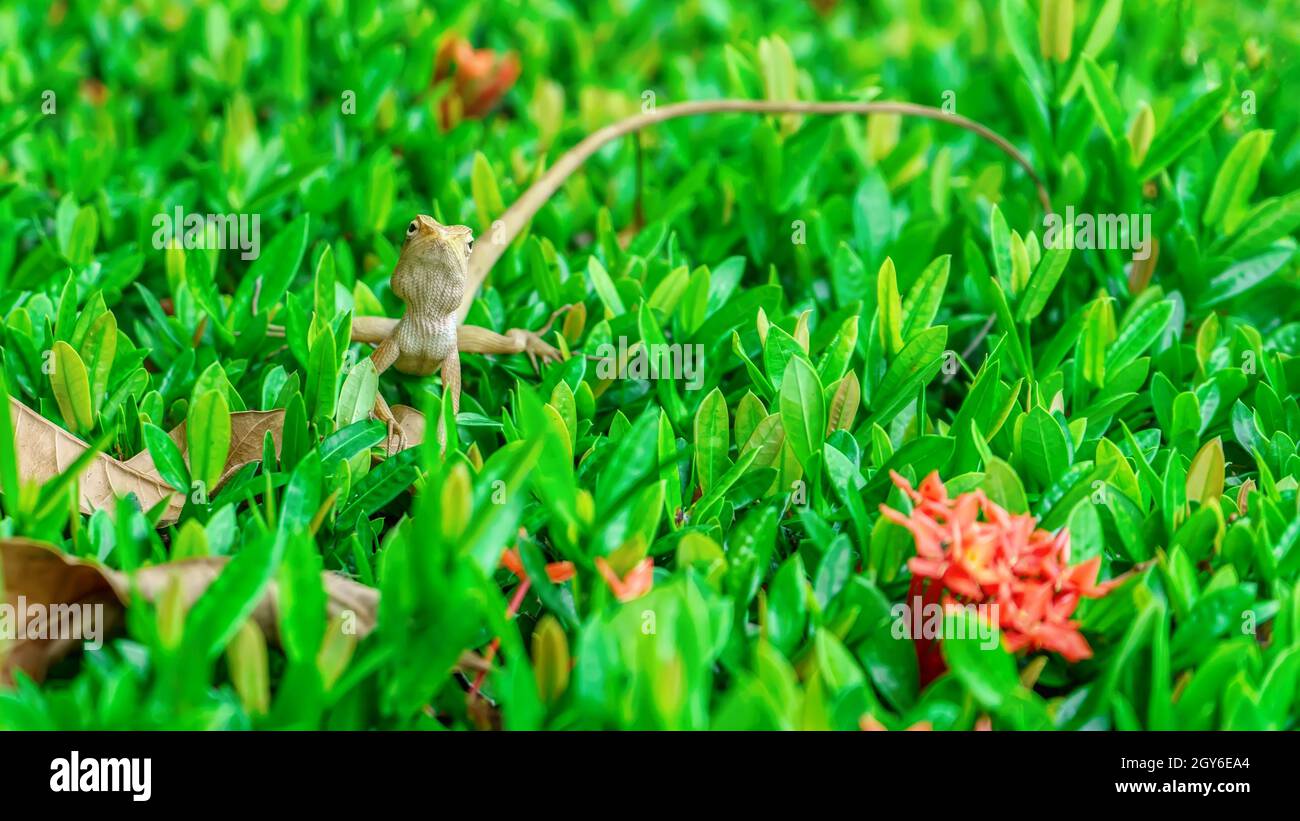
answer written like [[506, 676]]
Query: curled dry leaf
[[46, 450], [248, 430], [35, 573]]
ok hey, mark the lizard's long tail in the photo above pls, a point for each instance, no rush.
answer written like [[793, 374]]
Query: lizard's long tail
[[486, 254], [368, 329]]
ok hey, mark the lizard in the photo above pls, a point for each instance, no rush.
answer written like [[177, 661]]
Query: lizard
[[429, 277], [440, 268]]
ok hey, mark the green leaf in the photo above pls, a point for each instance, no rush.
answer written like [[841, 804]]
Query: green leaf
[[1094, 341], [712, 439], [1270, 221], [80, 247], [207, 432], [1138, 334], [835, 361], [166, 457], [71, 389], [1021, 25], [1236, 181], [217, 614], [1244, 275], [302, 495], [1104, 22], [780, 348], [605, 288], [889, 304], [302, 601], [1000, 240], [1044, 448], [9, 482], [923, 298], [992, 291], [1029, 251], [357, 397], [916, 364], [348, 441], [1002, 484], [381, 485], [787, 606], [1110, 115], [1180, 133], [98, 349], [322, 379], [487, 196], [275, 267], [972, 647], [803, 410], [1205, 476], [1041, 283], [198, 279]]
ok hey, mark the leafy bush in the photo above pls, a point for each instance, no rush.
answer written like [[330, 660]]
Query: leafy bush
[[625, 540]]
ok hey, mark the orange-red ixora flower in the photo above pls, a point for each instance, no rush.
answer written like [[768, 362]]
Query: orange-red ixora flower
[[479, 79], [634, 585], [557, 572], [970, 550]]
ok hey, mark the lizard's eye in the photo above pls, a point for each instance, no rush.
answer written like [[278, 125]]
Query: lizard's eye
[[469, 245], [410, 229]]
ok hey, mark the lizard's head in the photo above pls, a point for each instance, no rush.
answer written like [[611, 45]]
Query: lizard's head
[[445, 246]]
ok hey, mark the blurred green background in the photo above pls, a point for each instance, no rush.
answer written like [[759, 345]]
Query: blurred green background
[[337, 121]]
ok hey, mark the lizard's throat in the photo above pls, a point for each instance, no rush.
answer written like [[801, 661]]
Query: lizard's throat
[[429, 291]]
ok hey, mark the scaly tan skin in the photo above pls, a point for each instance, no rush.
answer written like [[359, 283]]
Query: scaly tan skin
[[439, 269], [429, 278]]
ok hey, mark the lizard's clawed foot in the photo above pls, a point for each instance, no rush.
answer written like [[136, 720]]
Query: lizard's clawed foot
[[531, 342], [385, 414], [395, 430]]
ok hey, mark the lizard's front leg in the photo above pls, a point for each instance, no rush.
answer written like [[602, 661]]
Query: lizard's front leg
[[383, 357], [451, 383], [473, 339]]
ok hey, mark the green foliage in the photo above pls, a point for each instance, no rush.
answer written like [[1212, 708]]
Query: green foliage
[[796, 307]]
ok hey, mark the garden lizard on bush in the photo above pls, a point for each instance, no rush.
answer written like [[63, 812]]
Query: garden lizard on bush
[[440, 269]]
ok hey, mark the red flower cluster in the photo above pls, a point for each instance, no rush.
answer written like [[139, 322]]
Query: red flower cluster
[[970, 550], [480, 78]]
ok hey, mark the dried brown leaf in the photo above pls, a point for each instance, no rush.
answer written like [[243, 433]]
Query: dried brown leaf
[[248, 429], [43, 575], [45, 450]]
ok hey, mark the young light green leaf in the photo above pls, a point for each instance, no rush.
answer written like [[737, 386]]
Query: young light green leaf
[[357, 397], [1242, 276], [890, 307], [1042, 282], [207, 432], [923, 298], [1138, 334], [1180, 133], [98, 350], [1236, 181], [71, 388], [712, 439], [1105, 105], [1205, 475], [486, 193], [604, 288], [803, 410], [166, 457]]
